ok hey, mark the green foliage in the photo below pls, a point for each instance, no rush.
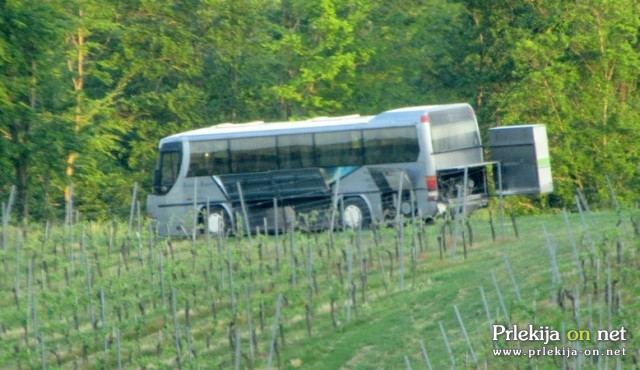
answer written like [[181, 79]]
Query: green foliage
[[316, 50], [32, 96], [579, 76], [105, 80]]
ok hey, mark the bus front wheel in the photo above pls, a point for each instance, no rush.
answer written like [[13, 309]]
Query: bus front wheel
[[355, 213], [216, 222]]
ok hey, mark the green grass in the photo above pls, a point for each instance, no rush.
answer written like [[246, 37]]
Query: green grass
[[396, 324], [67, 278]]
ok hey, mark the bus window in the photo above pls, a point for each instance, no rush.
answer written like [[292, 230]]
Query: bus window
[[339, 148], [295, 151], [391, 145], [454, 129], [254, 154], [208, 158], [169, 167]]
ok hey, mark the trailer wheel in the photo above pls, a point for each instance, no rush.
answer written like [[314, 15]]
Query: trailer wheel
[[355, 213]]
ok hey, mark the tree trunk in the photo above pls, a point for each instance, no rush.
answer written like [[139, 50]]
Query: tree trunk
[[78, 85], [20, 160]]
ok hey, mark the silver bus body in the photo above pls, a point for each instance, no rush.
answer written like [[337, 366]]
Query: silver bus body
[[417, 153]]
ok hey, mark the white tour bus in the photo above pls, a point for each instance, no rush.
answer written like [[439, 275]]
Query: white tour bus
[[271, 174]]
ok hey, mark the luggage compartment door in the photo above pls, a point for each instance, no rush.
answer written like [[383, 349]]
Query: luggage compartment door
[[523, 154]]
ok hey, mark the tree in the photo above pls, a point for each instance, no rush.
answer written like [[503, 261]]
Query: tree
[[580, 77], [237, 68], [412, 48], [314, 44], [96, 82], [31, 93]]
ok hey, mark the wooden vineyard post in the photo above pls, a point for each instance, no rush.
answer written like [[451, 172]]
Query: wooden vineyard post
[[276, 233], [407, 362], [363, 264], [612, 194], [455, 223], [493, 230], [139, 239], [194, 230], [16, 290], [333, 311], [584, 204], [584, 226], [294, 280], [513, 279], [249, 325], [230, 271], [446, 343], [221, 259], [619, 253], [236, 357], [555, 272], [308, 316], [514, 223], [334, 208], [134, 196], [350, 286], [161, 272], [103, 310], [43, 355], [486, 308], [245, 215], [425, 357], [574, 248], [401, 249], [466, 336], [119, 349], [274, 332], [499, 293], [382, 274], [176, 328]]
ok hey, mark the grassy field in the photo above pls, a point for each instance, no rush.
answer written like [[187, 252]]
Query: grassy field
[[103, 296]]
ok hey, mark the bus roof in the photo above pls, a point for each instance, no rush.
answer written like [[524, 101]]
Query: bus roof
[[413, 114], [230, 130], [409, 115]]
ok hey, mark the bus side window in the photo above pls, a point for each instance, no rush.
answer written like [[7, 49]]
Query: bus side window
[[355, 148], [255, 154], [208, 158], [340, 148], [390, 145], [295, 151], [220, 160]]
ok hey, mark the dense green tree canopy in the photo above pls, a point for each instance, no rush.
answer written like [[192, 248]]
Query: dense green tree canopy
[[88, 87]]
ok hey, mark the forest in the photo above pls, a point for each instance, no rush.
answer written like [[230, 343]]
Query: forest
[[88, 87]]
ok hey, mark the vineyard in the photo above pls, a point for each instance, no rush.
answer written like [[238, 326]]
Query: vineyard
[[114, 295]]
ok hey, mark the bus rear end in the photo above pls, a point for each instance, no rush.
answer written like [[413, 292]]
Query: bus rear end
[[457, 155]]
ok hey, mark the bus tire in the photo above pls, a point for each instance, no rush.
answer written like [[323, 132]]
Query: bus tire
[[355, 213], [217, 221]]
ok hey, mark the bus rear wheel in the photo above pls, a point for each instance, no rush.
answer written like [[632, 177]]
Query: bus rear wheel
[[355, 213]]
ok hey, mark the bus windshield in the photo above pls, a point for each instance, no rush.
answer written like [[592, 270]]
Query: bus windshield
[[168, 169]]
